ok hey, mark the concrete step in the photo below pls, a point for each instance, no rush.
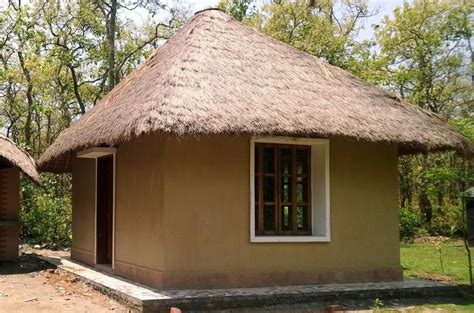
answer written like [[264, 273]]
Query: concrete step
[[146, 299]]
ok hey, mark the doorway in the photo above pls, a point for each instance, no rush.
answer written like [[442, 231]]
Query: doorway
[[105, 210]]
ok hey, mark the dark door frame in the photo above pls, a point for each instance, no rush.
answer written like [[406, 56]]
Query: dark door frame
[[104, 229], [95, 153]]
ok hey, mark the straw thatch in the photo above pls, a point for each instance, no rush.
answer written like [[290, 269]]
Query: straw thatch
[[217, 76], [13, 156]]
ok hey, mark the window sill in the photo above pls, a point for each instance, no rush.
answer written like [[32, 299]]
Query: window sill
[[260, 239]]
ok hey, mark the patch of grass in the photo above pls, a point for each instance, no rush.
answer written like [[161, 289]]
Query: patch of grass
[[458, 307], [423, 261], [460, 304]]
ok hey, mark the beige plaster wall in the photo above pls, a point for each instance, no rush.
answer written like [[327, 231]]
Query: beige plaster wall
[[139, 210], [182, 216], [207, 218]]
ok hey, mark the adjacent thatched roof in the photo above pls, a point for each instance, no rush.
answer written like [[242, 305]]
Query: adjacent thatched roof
[[12, 156], [217, 76]]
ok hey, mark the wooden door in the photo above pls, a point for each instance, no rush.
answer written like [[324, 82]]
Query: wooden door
[[105, 218]]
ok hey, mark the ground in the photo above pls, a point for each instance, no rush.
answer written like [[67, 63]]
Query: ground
[[31, 285]]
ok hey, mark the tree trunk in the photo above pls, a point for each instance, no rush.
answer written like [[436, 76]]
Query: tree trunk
[[48, 129], [112, 22], [424, 202], [472, 61], [29, 98], [405, 179]]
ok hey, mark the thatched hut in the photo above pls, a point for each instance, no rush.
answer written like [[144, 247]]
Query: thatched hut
[[12, 161], [230, 159]]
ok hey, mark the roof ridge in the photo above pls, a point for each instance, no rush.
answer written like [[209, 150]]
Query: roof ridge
[[209, 9]]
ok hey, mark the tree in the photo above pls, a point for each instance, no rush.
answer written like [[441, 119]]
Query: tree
[[424, 47], [422, 58], [326, 29], [57, 60], [239, 9]]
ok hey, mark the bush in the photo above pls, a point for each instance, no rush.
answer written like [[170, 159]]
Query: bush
[[46, 214], [447, 221], [409, 224]]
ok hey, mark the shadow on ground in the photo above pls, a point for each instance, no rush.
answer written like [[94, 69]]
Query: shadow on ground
[[26, 263]]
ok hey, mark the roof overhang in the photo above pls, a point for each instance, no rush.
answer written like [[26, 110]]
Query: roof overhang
[[469, 193], [96, 152], [11, 155]]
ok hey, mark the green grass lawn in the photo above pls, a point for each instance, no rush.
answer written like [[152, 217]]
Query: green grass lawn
[[423, 260]]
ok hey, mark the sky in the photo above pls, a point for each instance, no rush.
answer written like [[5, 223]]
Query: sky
[[384, 7]]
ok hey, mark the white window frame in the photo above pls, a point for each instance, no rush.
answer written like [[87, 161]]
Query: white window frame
[[320, 205]]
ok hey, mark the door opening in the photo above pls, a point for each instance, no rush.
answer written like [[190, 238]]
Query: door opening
[[104, 214]]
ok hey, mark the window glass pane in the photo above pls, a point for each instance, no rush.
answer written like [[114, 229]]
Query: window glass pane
[[302, 218], [286, 218], [269, 218], [269, 160], [286, 161], [256, 158], [302, 157], [285, 189], [282, 196], [302, 189], [269, 189], [257, 188]]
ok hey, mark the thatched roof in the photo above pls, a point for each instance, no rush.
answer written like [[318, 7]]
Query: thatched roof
[[12, 156], [218, 76]]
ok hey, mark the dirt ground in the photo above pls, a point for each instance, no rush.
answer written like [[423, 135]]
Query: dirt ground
[[32, 285]]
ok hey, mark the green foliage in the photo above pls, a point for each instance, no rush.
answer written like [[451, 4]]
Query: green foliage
[[326, 29], [409, 224], [239, 9], [54, 66], [464, 126], [423, 50], [377, 304], [424, 58], [45, 214], [447, 221], [54, 60]]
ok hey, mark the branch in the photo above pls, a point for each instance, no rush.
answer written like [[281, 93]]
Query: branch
[[76, 89], [101, 89], [140, 47]]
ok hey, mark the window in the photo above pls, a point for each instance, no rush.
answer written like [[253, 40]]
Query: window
[[283, 189], [290, 189]]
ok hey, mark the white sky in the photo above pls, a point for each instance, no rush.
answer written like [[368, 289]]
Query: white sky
[[384, 7]]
